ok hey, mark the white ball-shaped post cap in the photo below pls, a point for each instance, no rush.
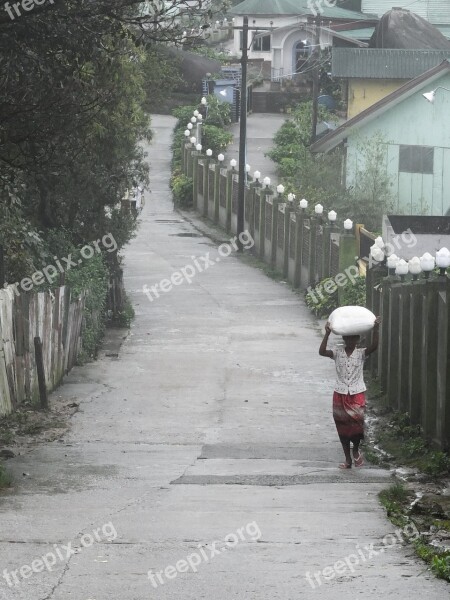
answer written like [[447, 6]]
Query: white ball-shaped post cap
[[257, 175], [200, 118], [377, 253], [193, 140], [221, 158], [303, 203], [196, 113], [203, 101], [291, 197], [318, 209], [187, 133], [233, 163], [392, 261], [194, 120], [402, 267], [332, 216], [190, 126], [427, 262], [379, 242], [280, 189], [414, 265], [198, 147], [443, 258], [348, 224], [209, 152], [266, 181], [248, 168]]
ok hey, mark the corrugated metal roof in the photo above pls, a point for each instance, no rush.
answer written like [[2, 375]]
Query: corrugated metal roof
[[295, 7], [364, 33], [434, 11], [374, 63]]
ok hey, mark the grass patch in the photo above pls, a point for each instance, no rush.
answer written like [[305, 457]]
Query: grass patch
[[394, 499]]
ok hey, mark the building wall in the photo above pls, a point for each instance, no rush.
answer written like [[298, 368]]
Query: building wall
[[434, 11], [363, 93], [414, 122]]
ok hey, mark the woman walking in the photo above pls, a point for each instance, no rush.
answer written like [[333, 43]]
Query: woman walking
[[349, 399]]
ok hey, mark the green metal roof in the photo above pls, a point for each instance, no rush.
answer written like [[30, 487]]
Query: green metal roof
[[296, 7], [384, 63], [364, 33]]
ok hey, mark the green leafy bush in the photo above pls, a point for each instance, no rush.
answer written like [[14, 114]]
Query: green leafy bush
[[321, 303], [182, 190], [215, 138], [354, 294], [91, 276]]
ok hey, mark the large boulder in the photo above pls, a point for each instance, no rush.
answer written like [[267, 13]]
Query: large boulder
[[403, 29]]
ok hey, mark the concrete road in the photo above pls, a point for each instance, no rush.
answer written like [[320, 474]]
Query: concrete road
[[203, 462]]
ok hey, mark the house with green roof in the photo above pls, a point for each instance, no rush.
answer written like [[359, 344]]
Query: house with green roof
[[285, 31], [415, 142]]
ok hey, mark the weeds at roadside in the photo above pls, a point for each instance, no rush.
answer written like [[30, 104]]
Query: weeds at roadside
[[5, 478]]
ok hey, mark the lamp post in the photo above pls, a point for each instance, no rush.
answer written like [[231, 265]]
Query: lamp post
[[402, 269], [443, 261], [257, 176], [280, 190], [414, 267], [392, 263], [427, 264], [266, 182], [348, 225], [242, 134], [303, 204]]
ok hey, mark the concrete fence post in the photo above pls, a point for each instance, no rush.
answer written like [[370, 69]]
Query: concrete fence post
[[298, 258], [347, 256], [287, 237], [276, 201], [229, 206]]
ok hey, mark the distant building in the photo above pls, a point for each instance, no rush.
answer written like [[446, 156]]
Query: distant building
[[416, 136]]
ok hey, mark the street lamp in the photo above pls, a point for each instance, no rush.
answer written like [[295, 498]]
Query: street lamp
[[266, 181], [196, 113], [257, 175], [303, 204], [318, 209], [194, 120], [193, 140], [332, 216], [209, 153], [233, 163], [414, 267], [392, 263], [280, 189], [220, 158], [348, 225], [443, 260], [427, 263], [377, 253], [248, 168], [190, 126], [430, 96], [402, 269], [187, 133], [198, 147]]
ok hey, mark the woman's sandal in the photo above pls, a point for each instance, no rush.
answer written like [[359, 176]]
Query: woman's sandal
[[345, 466], [359, 461]]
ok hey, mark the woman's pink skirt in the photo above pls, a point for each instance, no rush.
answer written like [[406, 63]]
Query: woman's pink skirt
[[348, 415]]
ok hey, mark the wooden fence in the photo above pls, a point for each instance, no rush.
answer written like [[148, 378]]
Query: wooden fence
[[304, 246], [413, 361], [57, 320]]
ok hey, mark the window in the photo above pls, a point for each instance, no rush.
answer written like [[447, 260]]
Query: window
[[416, 159], [261, 44]]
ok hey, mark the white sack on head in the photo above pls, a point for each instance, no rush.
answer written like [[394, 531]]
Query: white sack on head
[[351, 320]]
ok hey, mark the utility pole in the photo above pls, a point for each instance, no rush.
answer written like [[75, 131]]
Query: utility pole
[[316, 73], [242, 134]]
